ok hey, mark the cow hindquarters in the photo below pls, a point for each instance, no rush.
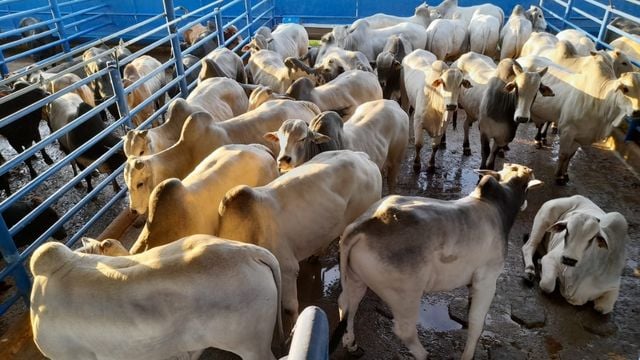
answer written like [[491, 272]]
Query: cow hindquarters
[[483, 288]]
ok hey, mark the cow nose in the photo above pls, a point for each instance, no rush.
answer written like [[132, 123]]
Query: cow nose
[[635, 113], [134, 212], [569, 261], [522, 119], [285, 159], [451, 107]]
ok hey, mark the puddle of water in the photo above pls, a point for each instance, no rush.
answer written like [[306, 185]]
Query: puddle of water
[[330, 277], [436, 317]]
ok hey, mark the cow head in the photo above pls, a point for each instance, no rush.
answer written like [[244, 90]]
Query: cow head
[[298, 69], [621, 62], [139, 179], [294, 137], [582, 232], [329, 69], [526, 85], [259, 42], [108, 247], [536, 16], [136, 143], [518, 177], [261, 94], [629, 86], [386, 67], [448, 84]]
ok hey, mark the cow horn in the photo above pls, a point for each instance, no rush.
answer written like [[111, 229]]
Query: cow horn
[[295, 62]]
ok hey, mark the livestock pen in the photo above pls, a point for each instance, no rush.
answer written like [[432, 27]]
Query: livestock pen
[[75, 26]]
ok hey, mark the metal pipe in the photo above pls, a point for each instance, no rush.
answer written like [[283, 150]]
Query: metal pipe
[[55, 12], [175, 47], [603, 26], [247, 5], [11, 257], [219, 27], [118, 91]]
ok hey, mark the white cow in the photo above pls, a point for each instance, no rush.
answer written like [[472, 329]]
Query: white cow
[[200, 136], [223, 98], [181, 208], [222, 62], [371, 41], [378, 128], [579, 40], [586, 105], [514, 33], [287, 40], [171, 301], [404, 246], [432, 89], [266, 68], [582, 246], [136, 70], [447, 8], [302, 211], [536, 16], [484, 34], [335, 60], [447, 38], [421, 17]]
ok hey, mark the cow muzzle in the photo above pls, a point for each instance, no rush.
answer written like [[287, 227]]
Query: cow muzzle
[[635, 113], [451, 107], [569, 261], [522, 119]]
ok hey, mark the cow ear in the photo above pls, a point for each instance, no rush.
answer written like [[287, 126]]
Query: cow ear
[[106, 244], [623, 88], [85, 241], [483, 172], [437, 82], [320, 138], [466, 84], [546, 91], [246, 48], [510, 86], [532, 184], [543, 71], [272, 136], [593, 53], [560, 226], [517, 69], [601, 240]]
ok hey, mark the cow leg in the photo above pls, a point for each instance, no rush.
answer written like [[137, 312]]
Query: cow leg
[[492, 156], [481, 293], [395, 163], [443, 141], [419, 141], [86, 178], [289, 293], [549, 271], [466, 149], [538, 138], [604, 304], [431, 167], [405, 306], [568, 148], [485, 149], [116, 187], [353, 290]]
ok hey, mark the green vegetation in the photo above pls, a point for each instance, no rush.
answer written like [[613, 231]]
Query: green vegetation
[[314, 42]]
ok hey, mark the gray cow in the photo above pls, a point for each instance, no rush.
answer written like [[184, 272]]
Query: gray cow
[[405, 246]]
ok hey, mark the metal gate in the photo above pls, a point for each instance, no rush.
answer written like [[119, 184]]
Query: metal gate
[[70, 24]]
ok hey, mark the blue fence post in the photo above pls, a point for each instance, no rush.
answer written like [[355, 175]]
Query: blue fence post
[[603, 27], [4, 69], [247, 5], [118, 91], [55, 12], [175, 47], [219, 27], [10, 255], [567, 13]]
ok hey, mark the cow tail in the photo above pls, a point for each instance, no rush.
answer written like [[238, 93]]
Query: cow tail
[[349, 238], [273, 264]]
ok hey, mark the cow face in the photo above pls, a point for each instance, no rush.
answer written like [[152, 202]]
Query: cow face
[[261, 94], [621, 62], [448, 85], [136, 143], [629, 87], [298, 69], [581, 233], [294, 136], [138, 177], [526, 85], [511, 174], [108, 247]]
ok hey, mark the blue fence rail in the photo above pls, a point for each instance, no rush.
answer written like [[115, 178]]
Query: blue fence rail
[[158, 32]]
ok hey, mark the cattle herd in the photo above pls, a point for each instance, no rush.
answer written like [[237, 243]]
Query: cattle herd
[[264, 165]]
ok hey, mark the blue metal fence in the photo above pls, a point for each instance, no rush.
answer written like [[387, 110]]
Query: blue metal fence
[[161, 29]]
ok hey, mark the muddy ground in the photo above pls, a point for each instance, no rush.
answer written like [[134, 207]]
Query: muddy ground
[[522, 323]]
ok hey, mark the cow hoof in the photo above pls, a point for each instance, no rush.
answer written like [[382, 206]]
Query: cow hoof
[[431, 168], [528, 278], [500, 153], [538, 144], [442, 145], [554, 130], [416, 166], [525, 238], [48, 161], [466, 152], [78, 185], [506, 148], [544, 142], [356, 354]]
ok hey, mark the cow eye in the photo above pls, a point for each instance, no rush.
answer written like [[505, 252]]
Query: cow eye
[[303, 139], [625, 63], [625, 89]]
